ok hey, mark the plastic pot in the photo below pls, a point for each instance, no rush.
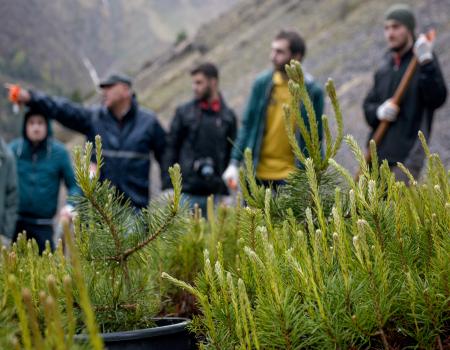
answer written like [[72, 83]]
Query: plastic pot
[[170, 333]]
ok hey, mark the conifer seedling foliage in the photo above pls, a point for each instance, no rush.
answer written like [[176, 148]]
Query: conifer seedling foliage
[[118, 245], [39, 304], [296, 195], [360, 265]]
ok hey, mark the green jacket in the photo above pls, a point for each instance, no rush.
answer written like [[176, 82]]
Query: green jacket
[[8, 191], [251, 133]]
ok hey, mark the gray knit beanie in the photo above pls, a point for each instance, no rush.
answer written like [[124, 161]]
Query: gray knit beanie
[[403, 14]]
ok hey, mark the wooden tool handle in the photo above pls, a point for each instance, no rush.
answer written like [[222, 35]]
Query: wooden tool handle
[[383, 126]]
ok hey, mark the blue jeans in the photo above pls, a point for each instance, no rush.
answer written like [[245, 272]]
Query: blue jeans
[[40, 233], [202, 201]]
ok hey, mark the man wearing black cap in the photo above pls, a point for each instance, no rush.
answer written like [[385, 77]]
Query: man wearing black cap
[[425, 93], [129, 133]]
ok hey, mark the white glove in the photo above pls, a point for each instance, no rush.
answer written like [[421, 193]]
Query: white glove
[[231, 177], [67, 212], [168, 193], [5, 241], [387, 111], [423, 49]]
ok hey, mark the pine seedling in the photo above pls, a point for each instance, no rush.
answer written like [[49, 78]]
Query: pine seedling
[[367, 270], [95, 340], [122, 250], [310, 133]]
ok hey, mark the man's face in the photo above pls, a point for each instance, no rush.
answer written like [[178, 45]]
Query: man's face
[[281, 54], [202, 86], [397, 35], [114, 95], [36, 128]]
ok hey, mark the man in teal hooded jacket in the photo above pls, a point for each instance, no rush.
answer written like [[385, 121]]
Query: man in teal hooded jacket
[[42, 162], [263, 130]]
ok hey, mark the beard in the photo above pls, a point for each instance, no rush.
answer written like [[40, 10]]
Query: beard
[[282, 67], [401, 47], [206, 95]]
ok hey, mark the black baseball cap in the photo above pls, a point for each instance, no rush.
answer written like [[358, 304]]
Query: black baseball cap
[[114, 79]]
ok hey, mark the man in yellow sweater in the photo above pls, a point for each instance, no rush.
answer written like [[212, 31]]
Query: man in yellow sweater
[[263, 129], [276, 159]]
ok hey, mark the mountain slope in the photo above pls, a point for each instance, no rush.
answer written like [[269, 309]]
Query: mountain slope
[[344, 39], [62, 46]]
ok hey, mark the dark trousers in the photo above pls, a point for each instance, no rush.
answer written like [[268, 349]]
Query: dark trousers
[[40, 233]]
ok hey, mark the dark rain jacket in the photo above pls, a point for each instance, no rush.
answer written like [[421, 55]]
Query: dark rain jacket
[[425, 93], [40, 171], [126, 144], [199, 137], [251, 133], [8, 191]]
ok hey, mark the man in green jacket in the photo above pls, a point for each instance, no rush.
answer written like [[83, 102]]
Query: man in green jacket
[[8, 192], [42, 163], [263, 129]]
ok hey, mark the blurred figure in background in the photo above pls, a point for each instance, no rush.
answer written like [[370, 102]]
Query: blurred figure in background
[[200, 139], [8, 193], [425, 93], [42, 163], [129, 133], [263, 129]]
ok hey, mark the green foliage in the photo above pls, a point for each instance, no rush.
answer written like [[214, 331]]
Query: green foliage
[[115, 264], [296, 195], [38, 307], [181, 36], [119, 251], [361, 265]]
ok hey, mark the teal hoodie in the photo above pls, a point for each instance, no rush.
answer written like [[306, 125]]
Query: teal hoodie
[[251, 133], [40, 170]]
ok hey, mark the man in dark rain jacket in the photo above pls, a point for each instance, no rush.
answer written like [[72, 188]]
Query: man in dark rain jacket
[[425, 93], [200, 138], [129, 133]]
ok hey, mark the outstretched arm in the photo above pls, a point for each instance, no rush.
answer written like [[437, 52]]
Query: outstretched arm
[[68, 113]]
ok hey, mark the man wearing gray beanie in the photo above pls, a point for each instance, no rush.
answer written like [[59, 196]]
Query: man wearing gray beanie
[[425, 93]]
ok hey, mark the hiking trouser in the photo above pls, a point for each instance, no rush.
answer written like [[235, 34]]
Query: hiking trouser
[[40, 233], [413, 163], [201, 201]]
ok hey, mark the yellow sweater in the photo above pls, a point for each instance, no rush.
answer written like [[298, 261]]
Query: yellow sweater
[[276, 158]]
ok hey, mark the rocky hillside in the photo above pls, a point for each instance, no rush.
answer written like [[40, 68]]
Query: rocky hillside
[[345, 42], [62, 46]]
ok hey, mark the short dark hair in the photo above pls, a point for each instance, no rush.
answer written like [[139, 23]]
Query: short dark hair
[[208, 69], [297, 44]]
